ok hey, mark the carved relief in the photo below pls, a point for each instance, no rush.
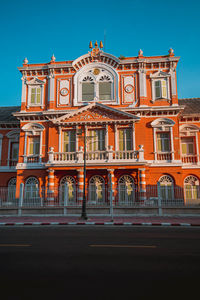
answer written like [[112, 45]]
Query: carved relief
[[128, 89], [63, 94]]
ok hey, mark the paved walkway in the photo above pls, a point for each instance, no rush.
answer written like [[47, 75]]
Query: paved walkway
[[100, 220]]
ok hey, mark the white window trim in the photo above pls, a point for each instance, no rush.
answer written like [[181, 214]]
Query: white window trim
[[82, 73], [35, 83], [160, 76]]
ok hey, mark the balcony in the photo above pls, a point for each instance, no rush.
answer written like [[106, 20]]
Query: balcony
[[96, 157], [33, 159], [190, 159]]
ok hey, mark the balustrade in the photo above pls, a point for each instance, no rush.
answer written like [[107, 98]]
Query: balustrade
[[190, 159], [164, 156]]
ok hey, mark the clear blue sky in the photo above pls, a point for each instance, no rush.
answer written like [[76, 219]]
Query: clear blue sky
[[37, 29]]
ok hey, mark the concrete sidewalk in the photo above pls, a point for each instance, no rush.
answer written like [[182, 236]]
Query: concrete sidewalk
[[101, 220]]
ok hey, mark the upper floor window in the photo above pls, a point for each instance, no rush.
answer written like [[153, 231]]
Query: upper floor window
[[96, 82], [187, 146], [96, 140], [34, 145], [125, 139], [69, 141], [36, 95], [160, 89], [163, 141]]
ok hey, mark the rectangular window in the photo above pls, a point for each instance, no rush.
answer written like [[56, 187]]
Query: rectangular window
[[34, 145], [105, 90], [96, 140], [14, 151], [163, 142], [36, 95], [187, 146], [125, 139], [69, 141], [160, 89], [87, 91]]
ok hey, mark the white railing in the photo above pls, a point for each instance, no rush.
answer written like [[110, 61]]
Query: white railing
[[164, 156], [96, 156], [190, 159], [32, 159]]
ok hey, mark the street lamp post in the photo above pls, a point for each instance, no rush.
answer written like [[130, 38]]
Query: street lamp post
[[84, 215]]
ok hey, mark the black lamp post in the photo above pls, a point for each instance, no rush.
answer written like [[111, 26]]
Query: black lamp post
[[84, 215]]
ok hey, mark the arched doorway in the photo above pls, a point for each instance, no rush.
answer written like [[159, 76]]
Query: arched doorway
[[166, 188], [191, 190], [31, 192]]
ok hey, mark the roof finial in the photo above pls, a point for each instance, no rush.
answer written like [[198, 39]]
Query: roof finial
[[171, 52], [96, 45], [90, 45], [25, 61], [53, 58], [140, 53], [101, 45]]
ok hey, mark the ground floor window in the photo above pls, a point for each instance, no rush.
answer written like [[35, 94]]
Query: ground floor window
[[31, 188], [126, 190], [166, 188], [68, 190], [96, 190], [11, 189], [191, 189]]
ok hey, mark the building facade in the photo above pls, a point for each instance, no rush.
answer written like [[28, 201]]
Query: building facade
[[122, 113]]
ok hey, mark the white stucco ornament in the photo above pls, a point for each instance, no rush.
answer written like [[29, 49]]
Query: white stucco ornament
[[25, 61], [171, 51], [140, 53], [53, 58]]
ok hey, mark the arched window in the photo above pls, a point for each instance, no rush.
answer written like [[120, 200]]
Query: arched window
[[67, 185], [192, 189], [166, 188], [96, 190], [126, 188], [11, 189], [31, 189]]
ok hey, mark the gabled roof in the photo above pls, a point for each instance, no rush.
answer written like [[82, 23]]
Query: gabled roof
[[95, 112], [6, 114], [192, 106]]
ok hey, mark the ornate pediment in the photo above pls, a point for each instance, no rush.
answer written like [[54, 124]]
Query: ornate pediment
[[159, 74], [35, 81], [95, 112]]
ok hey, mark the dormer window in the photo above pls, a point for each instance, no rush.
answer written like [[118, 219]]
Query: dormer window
[[160, 86], [35, 92], [98, 83]]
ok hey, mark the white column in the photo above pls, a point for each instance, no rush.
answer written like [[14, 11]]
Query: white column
[[41, 141], [115, 129], [60, 139], [133, 135], [23, 98], [172, 142], [197, 146], [51, 88], [25, 147], [106, 137], [155, 144]]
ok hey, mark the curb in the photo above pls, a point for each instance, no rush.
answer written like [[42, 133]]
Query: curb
[[96, 224]]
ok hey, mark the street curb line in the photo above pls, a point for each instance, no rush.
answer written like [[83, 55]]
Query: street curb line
[[163, 224]]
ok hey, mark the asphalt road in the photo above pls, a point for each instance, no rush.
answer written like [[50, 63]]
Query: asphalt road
[[99, 263]]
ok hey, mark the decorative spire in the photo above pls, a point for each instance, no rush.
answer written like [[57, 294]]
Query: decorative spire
[[53, 58], [101, 45], [90, 45], [96, 45], [25, 61]]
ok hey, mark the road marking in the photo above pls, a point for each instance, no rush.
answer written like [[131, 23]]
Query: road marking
[[124, 246], [14, 245]]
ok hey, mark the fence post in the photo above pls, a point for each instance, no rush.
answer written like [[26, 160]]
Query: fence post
[[21, 196], [159, 201], [111, 193], [66, 194]]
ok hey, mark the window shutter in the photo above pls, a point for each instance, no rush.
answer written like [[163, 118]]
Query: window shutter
[[66, 141], [159, 143], [72, 141], [158, 89], [190, 149], [128, 139], [105, 90], [184, 148], [30, 146], [33, 95], [164, 89], [38, 95], [166, 144], [121, 139], [87, 91]]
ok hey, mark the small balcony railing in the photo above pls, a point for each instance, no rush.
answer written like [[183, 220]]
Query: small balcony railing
[[96, 156], [166, 156], [33, 159], [190, 159]]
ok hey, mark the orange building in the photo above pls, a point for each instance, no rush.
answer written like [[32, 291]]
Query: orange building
[[126, 113]]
